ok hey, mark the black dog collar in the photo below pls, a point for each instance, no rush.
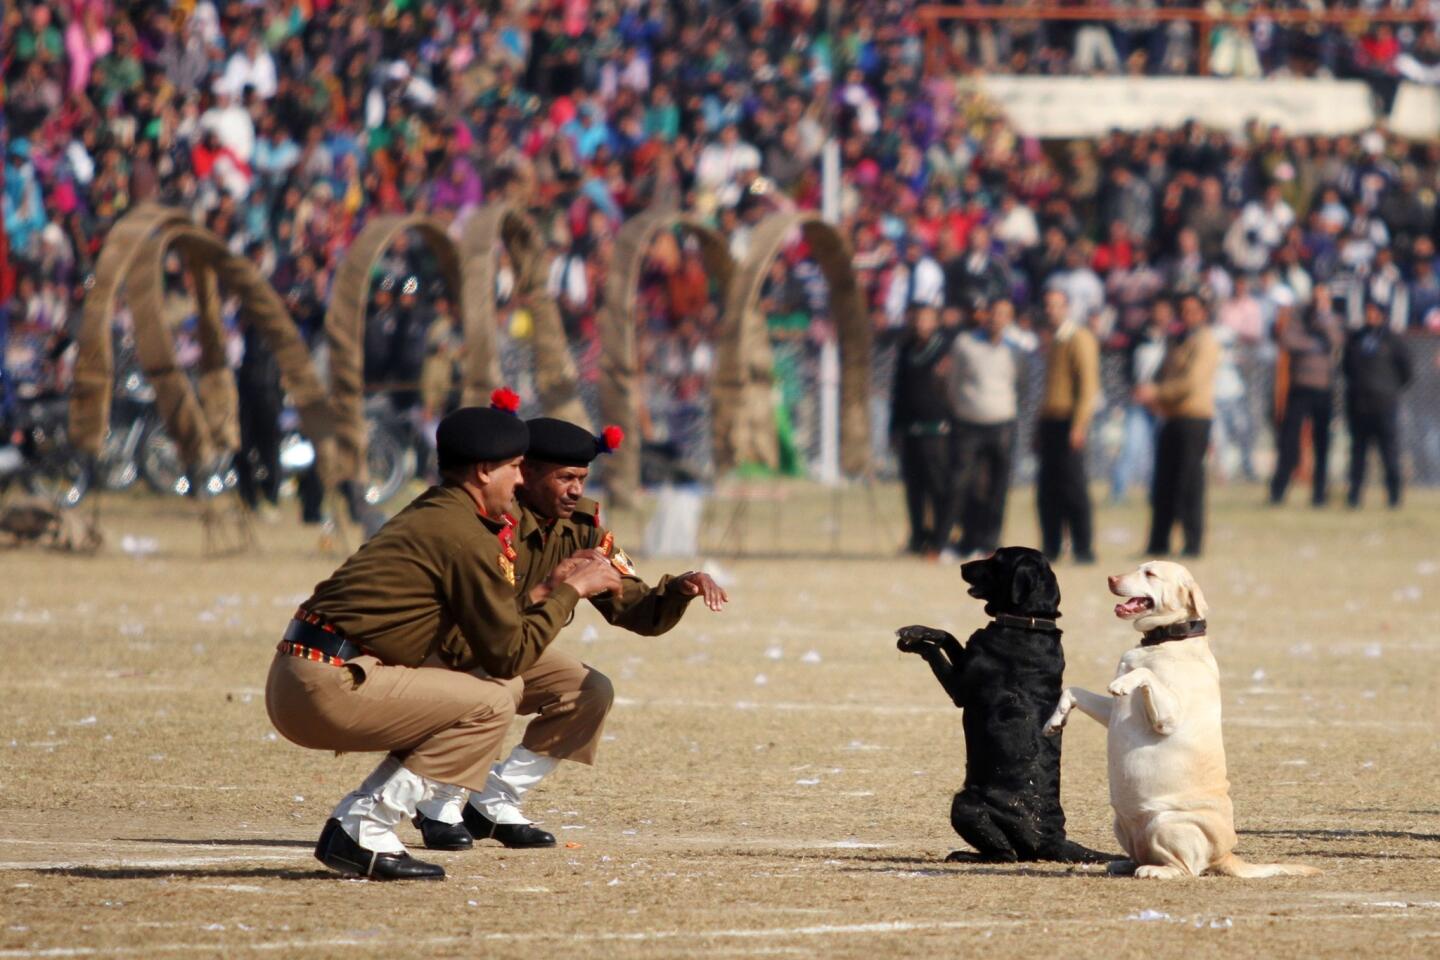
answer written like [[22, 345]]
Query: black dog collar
[[1026, 623], [1175, 631]]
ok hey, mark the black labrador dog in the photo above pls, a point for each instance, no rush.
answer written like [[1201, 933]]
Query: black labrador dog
[[1007, 680]]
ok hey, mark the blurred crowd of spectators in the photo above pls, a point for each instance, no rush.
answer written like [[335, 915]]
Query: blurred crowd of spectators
[[1138, 42], [284, 124]]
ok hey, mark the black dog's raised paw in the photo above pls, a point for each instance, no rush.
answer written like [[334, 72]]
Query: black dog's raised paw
[[912, 638]]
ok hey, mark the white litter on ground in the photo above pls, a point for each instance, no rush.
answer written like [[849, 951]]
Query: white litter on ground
[[139, 546]]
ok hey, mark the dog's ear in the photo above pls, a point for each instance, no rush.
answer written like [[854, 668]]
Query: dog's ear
[[1033, 587], [1194, 599]]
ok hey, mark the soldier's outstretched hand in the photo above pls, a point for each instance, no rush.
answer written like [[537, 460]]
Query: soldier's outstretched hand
[[704, 585], [572, 563], [594, 576]]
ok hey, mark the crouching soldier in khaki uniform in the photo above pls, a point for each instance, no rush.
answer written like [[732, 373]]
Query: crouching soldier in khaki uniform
[[349, 677], [559, 530]]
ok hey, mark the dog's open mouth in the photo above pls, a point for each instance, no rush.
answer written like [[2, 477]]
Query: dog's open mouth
[[1133, 607]]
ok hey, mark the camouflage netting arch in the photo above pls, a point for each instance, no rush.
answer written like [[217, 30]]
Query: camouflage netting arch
[[469, 271], [205, 425], [345, 324], [744, 421], [619, 359], [556, 377]]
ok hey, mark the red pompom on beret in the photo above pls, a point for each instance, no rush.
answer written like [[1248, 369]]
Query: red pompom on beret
[[505, 399]]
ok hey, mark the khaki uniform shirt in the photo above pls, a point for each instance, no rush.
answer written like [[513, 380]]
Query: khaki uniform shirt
[[1185, 386], [648, 611], [1072, 376], [440, 578]]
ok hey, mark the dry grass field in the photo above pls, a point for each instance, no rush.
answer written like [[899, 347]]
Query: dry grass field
[[776, 779]]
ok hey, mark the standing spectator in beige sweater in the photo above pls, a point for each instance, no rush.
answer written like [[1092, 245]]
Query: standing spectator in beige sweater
[[1072, 390], [983, 378], [1184, 397]]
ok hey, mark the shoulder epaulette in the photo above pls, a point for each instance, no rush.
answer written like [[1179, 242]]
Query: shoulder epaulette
[[587, 512]]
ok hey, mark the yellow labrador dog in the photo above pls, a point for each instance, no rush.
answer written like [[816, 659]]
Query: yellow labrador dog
[[1167, 760]]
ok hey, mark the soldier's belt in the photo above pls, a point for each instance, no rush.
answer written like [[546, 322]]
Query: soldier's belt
[[307, 653], [331, 646]]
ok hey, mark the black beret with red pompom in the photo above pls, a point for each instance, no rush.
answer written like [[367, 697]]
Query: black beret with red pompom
[[482, 434], [567, 445]]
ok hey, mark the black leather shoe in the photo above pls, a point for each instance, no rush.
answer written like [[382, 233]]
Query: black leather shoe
[[443, 836], [323, 843], [515, 835], [338, 852]]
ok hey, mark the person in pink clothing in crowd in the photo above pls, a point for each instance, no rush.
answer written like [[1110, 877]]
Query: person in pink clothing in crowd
[[87, 40], [1240, 312]]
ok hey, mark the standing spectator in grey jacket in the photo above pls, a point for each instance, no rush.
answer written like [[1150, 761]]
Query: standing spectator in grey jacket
[[1312, 345], [1377, 370], [983, 393]]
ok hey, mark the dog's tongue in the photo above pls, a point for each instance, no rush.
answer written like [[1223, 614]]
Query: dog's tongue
[[1130, 607]]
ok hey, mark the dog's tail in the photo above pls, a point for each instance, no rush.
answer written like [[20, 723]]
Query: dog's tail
[[1232, 866]]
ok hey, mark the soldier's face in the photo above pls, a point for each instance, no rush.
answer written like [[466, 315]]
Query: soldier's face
[[552, 490], [497, 484]]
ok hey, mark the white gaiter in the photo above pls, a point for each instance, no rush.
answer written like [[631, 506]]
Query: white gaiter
[[443, 802], [508, 783], [387, 798]]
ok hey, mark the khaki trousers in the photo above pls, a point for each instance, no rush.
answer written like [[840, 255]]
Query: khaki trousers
[[442, 724], [571, 699]]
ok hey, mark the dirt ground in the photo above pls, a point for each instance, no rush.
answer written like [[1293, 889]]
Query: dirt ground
[[776, 779]]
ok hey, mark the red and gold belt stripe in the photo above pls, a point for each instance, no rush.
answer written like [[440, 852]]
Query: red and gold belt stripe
[[308, 653], [315, 620]]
